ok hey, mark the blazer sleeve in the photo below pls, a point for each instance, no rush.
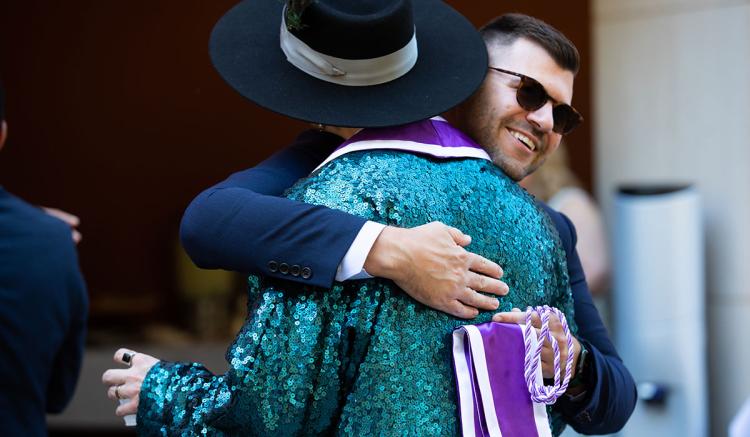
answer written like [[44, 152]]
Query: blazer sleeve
[[242, 224], [611, 393], [69, 357]]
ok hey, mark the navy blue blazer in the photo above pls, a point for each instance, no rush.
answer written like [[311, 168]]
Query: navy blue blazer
[[226, 225], [43, 312]]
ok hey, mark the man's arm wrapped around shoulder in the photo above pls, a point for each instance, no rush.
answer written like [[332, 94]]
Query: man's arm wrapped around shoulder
[[610, 390], [242, 224]]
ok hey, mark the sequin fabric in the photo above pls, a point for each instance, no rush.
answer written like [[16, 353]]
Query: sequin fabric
[[363, 358]]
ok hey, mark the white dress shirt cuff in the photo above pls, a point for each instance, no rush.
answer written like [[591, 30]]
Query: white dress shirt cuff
[[353, 264]]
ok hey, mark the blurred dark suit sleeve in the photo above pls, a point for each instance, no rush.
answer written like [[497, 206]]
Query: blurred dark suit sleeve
[[69, 357], [43, 312]]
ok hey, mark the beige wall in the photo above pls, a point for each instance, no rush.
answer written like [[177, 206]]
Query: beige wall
[[672, 103]]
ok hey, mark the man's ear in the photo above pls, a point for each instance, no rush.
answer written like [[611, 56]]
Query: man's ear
[[3, 133]]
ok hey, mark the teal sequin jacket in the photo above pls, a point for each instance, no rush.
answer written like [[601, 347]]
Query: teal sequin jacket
[[363, 358]]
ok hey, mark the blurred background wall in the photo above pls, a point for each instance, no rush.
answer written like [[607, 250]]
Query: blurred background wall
[[116, 115], [671, 95]]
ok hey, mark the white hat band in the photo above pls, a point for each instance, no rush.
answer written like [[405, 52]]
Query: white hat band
[[348, 72]]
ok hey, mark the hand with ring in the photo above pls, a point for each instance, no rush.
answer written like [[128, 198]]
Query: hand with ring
[[126, 383]]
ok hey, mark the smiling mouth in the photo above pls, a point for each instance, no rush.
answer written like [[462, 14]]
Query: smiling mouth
[[526, 141]]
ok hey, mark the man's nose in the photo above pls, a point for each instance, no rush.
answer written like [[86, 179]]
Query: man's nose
[[542, 118]]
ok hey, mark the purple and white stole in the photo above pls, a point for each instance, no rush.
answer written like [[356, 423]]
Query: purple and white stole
[[434, 137], [499, 379]]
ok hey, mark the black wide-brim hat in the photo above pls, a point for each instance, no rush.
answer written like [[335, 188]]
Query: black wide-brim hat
[[451, 62]]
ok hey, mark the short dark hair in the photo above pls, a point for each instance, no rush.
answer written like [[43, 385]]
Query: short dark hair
[[507, 28], [2, 102]]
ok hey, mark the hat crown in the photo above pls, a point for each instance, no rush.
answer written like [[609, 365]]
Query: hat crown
[[356, 29]]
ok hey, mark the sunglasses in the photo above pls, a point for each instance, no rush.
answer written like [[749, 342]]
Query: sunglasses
[[531, 96]]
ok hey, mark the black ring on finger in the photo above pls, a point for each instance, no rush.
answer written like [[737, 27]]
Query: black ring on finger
[[127, 358]]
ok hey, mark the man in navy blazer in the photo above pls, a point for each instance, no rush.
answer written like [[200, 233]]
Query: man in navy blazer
[[241, 224], [43, 312]]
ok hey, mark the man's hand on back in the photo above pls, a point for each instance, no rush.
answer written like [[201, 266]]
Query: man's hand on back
[[430, 264]]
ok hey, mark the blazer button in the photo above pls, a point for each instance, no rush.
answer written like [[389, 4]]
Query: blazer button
[[284, 268], [306, 273], [273, 266], [294, 270]]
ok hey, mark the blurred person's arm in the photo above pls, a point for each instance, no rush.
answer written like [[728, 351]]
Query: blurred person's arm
[[69, 357], [592, 245], [609, 394]]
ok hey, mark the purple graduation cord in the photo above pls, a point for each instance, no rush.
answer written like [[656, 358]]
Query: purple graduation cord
[[546, 394]]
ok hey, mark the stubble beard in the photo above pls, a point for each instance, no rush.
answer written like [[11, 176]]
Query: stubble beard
[[474, 118], [508, 165], [487, 136]]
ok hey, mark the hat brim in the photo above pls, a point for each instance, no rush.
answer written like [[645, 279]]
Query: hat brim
[[452, 63]]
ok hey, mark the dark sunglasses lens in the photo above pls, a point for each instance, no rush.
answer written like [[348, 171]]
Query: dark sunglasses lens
[[565, 119], [531, 95]]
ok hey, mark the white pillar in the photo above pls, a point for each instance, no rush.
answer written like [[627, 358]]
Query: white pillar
[[658, 251], [672, 102]]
